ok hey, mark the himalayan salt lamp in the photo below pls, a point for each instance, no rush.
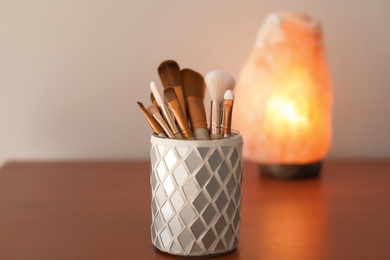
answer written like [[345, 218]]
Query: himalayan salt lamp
[[284, 98]]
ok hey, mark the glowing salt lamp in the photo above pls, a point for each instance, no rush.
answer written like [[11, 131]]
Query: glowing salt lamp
[[284, 98]]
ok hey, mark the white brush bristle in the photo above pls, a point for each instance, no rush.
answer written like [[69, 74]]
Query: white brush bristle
[[218, 82], [228, 95], [156, 93]]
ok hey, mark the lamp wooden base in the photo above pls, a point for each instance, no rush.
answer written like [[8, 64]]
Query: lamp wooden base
[[291, 171]]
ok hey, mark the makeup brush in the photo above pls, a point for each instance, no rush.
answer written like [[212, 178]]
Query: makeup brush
[[169, 72], [194, 92], [174, 104], [154, 102], [165, 110], [153, 110], [228, 109], [217, 83], [152, 122]]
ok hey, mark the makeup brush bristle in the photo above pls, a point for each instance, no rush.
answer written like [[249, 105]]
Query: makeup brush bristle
[[218, 82], [153, 109], [156, 93], [169, 72], [228, 95], [169, 94], [193, 83]]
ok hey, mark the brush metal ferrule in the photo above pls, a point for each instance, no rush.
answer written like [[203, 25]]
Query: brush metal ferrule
[[216, 119], [228, 104]]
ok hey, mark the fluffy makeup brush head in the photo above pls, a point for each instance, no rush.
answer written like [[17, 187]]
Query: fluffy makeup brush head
[[193, 83], [218, 82], [169, 72]]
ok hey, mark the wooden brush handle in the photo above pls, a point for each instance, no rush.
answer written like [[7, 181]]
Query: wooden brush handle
[[180, 96], [198, 118]]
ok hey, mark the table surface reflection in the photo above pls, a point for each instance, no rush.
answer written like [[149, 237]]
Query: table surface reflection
[[101, 210]]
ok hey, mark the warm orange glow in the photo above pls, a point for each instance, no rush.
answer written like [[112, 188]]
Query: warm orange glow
[[283, 98]]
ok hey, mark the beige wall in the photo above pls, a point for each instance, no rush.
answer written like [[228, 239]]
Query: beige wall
[[72, 71]]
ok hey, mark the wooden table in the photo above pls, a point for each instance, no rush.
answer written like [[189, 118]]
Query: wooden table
[[101, 210]]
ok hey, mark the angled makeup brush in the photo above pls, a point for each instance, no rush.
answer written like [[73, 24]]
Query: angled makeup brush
[[217, 83], [169, 72], [165, 110], [157, 129], [153, 110], [174, 104], [228, 109], [194, 92]]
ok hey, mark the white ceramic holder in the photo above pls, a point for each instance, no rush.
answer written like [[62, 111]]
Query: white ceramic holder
[[196, 195]]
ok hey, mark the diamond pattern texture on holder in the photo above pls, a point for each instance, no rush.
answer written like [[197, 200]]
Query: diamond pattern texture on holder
[[160, 149], [231, 184], [221, 201], [196, 196], [215, 160], [234, 157], [161, 170], [157, 242], [220, 245], [174, 225], [229, 235], [153, 156], [238, 171], [190, 189], [193, 161], [196, 249], [154, 207], [236, 221], [200, 202], [226, 150], [198, 228], [180, 174], [158, 223], [170, 159], [161, 197], [187, 214], [153, 182], [202, 176], [175, 248], [166, 211], [209, 213], [230, 210], [237, 195], [223, 171], [220, 225], [208, 239], [212, 187], [203, 151], [177, 200], [168, 185], [182, 151], [166, 237], [185, 238]]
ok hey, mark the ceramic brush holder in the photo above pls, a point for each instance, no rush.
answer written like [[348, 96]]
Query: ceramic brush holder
[[196, 195]]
